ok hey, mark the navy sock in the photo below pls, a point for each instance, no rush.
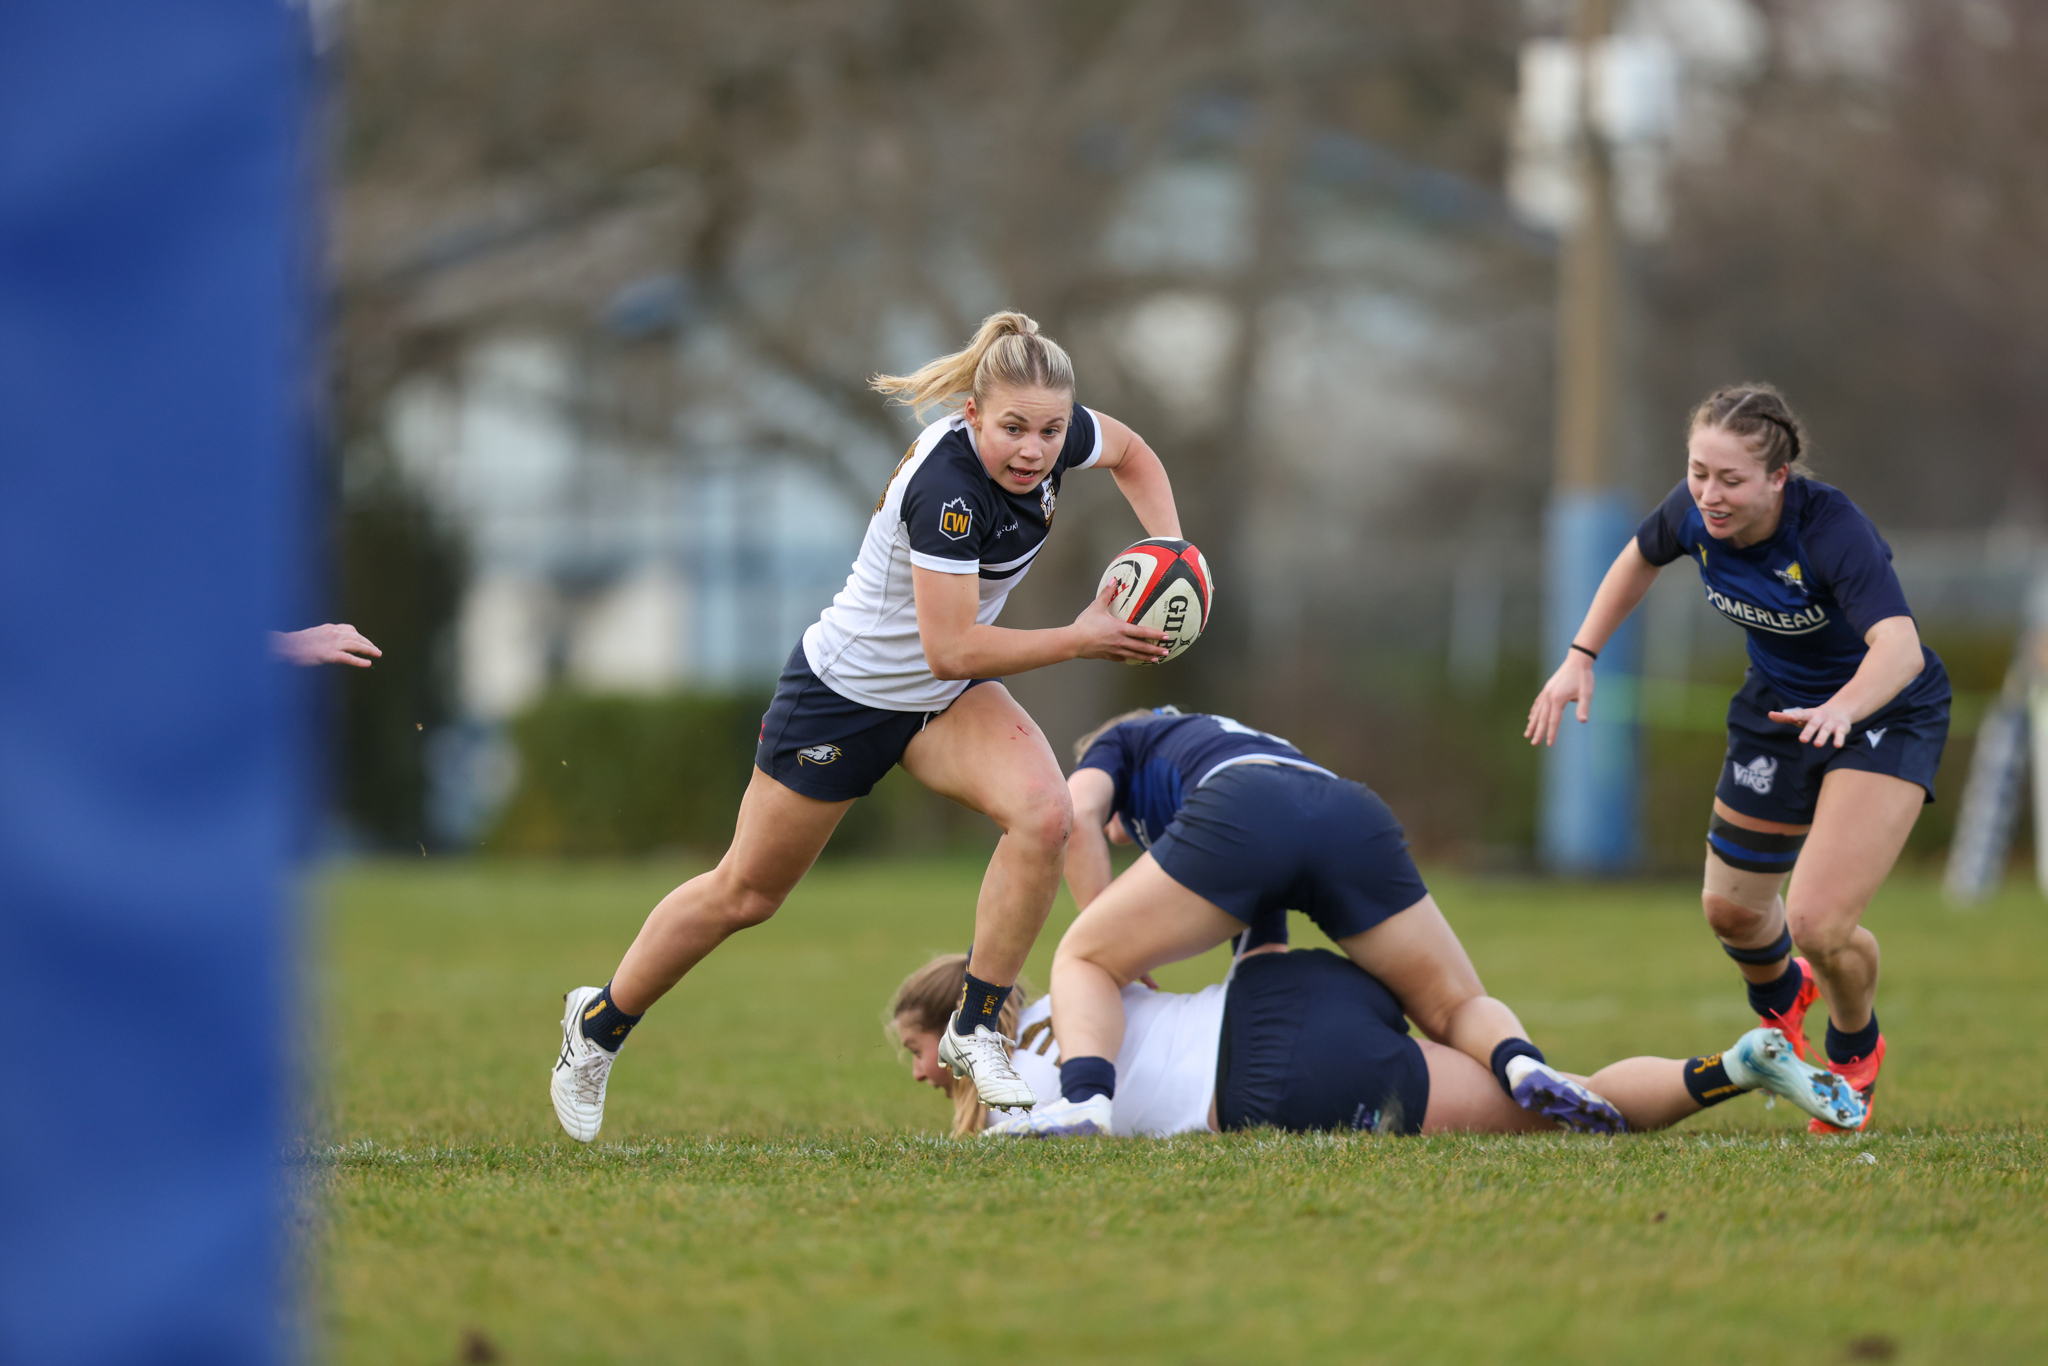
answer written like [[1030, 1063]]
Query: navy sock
[[1706, 1081], [980, 1004], [1506, 1050], [1081, 1078], [604, 1024], [1775, 998], [1849, 1047]]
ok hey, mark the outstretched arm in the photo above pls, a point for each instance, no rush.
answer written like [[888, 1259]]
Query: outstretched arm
[[1627, 579], [1894, 660], [329, 644], [1088, 865]]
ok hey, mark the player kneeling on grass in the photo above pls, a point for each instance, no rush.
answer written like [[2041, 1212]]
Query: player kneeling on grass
[[1239, 827], [1307, 1040]]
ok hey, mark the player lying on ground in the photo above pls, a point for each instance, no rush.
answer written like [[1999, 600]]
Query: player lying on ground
[[896, 671], [1238, 827], [1834, 737], [1307, 1040]]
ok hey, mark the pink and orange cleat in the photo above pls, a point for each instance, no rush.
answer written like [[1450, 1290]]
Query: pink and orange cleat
[[1793, 1022], [1860, 1073]]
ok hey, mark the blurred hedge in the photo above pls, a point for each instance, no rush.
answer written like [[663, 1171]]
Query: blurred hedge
[[609, 774], [615, 774]]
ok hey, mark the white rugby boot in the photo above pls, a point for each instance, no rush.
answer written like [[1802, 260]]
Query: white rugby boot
[[581, 1071], [1060, 1118], [1765, 1059], [984, 1058]]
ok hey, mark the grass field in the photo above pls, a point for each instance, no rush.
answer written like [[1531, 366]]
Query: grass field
[[771, 1187]]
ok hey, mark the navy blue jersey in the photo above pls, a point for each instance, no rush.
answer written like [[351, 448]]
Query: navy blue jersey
[[1806, 596], [1158, 761]]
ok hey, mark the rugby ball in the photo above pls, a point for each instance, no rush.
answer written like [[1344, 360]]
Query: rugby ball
[[1162, 583]]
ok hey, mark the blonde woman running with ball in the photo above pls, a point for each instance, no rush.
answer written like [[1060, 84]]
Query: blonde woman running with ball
[[902, 668]]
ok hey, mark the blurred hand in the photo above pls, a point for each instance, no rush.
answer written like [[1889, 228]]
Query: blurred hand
[[1108, 636], [1819, 726], [1573, 682], [329, 644]]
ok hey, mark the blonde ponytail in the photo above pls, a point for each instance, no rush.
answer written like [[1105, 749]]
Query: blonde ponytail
[[1007, 352], [928, 996]]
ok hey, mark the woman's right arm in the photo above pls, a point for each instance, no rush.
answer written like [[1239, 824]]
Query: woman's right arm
[[1628, 578], [958, 646]]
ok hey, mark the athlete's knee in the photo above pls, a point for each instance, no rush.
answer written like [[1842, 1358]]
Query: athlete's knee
[[1737, 922], [1822, 928], [1042, 816], [1092, 955], [1436, 1006]]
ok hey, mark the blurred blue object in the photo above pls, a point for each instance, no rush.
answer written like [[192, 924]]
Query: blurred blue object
[[155, 406], [1590, 823]]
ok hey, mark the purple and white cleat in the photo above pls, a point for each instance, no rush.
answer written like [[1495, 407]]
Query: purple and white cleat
[[1542, 1088], [1056, 1119]]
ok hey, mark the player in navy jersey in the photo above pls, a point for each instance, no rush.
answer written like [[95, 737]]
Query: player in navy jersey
[[898, 670], [1238, 828], [1305, 1040], [1835, 735]]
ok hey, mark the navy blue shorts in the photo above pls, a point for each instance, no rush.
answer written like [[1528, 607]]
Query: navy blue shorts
[[820, 744], [1768, 774], [1312, 1041], [1262, 838]]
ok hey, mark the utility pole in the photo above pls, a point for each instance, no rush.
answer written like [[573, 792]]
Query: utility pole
[[1589, 819]]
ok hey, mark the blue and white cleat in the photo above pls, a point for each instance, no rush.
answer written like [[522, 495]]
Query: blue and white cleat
[[1542, 1088], [1764, 1059], [1060, 1118]]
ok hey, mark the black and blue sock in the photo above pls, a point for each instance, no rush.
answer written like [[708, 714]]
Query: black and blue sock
[[1849, 1047], [1506, 1051], [1707, 1081], [1776, 997], [1086, 1078], [980, 1004], [604, 1024]]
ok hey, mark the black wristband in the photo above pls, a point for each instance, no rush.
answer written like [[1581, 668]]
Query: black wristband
[[1590, 654]]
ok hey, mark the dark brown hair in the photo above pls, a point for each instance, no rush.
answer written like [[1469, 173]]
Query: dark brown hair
[[1759, 415]]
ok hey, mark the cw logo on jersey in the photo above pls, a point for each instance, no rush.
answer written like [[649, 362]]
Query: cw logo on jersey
[[1756, 775], [956, 519], [1048, 501], [817, 754], [1791, 576]]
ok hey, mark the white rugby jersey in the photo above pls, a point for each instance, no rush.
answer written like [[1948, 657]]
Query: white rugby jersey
[[1165, 1072], [941, 511]]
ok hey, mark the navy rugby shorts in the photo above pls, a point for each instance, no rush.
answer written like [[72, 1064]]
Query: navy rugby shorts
[[1312, 1041], [1257, 839], [1768, 774], [826, 746]]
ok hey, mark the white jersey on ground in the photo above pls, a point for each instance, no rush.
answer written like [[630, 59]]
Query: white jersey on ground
[[1165, 1072], [941, 511]]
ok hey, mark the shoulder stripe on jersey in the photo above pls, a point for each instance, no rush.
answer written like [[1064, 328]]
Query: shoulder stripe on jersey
[[943, 566], [1283, 760], [1095, 454], [1009, 567]]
